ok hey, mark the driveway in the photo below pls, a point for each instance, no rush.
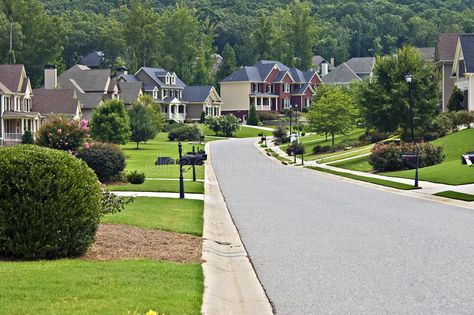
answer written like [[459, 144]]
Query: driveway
[[324, 245]]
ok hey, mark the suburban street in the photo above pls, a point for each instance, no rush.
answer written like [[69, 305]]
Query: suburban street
[[323, 245]]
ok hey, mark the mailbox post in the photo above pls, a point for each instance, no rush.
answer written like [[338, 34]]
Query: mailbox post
[[194, 166], [264, 139], [181, 178], [416, 158], [191, 159]]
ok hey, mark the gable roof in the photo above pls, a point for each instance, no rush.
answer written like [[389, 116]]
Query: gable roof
[[129, 91], [90, 100], [92, 59], [428, 53], [361, 65], [446, 46], [298, 75], [55, 101], [302, 89], [342, 74], [247, 73], [13, 77], [196, 94], [128, 78], [467, 46], [156, 73], [88, 80]]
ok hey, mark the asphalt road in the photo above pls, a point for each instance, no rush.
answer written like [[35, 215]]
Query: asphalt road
[[321, 245]]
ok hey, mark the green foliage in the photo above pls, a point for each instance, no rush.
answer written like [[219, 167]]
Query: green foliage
[[456, 101], [184, 132], [295, 148], [280, 135], [253, 116], [385, 101], [136, 178], [334, 113], [112, 203], [50, 203], [229, 62], [226, 125], [142, 123], [202, 119], [61, 133], [110, 122], [27, 138], [388, 156], [105, 159], [267, 116]]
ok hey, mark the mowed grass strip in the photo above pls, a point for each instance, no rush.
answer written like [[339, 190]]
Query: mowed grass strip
[[89, 287], [243, 132], [360, 164], [174, 215], [372, 180], [456, 195], [161, 186]]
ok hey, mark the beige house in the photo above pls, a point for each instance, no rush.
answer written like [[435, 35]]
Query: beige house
[[463, 68], [16, 114]]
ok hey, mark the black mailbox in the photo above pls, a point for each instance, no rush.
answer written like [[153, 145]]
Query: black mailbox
[[164, 160], [195, 159]]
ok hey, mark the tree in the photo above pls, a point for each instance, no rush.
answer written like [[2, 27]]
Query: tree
[[253, 116], [229, 62], [141, 123], [226, 124], [27, 138], [333, 113], [384, 101], [110, 122], [456, 102], [155, 113], [202, 119]]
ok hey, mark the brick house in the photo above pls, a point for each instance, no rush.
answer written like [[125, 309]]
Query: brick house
[[270, 86]]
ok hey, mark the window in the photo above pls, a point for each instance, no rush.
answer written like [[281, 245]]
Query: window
[[165, 93], [269, 88], [308, 102], [287, 87], [173, 79], [155, 93], [168, 78], [255, 87], [286, 103]]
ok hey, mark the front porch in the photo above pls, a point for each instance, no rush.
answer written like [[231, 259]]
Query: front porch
[[175, 111], [14, 124], [264, 102]]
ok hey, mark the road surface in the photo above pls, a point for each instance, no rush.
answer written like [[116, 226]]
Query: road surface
[[323, 245]]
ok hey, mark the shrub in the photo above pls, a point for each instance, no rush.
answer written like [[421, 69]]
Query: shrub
[[295, 148], [253, 117], [136, 178], [111, 203], [374, 136], [280, 135], [202, 119], [266, 116], [184, 132], [27, 138], [62, 133], [456, 101], [443, 124], [50, 203], [226, 125], [105, 159], [388, 156], [463, 118]]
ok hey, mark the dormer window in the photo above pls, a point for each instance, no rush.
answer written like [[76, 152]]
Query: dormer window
[[173, 79], [168, 78], [155, 93]]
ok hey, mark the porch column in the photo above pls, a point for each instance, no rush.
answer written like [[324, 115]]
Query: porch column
[[22, 130], [261, 102], [169, 111]]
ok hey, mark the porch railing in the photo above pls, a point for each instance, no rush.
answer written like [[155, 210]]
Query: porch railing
[[178, 117], [12, 136]]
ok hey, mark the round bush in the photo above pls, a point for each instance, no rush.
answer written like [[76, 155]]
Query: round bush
[[136, 178], [50, 203], [106, 159], [184, 132]]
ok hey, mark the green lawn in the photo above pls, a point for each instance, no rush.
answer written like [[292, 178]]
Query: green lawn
[[244, 132], [143, 160], [89, 287], [451, 171], [456, 195], [336, 156], [376, 181], [356, 164], [160, 186], [175, 215]]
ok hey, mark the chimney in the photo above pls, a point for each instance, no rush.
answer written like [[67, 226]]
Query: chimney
[[50, 77], [122, 70], [332, 62], [324, 68]]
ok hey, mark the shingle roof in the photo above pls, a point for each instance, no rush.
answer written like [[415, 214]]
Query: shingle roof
[[280, 76], [467, 45], [89, 80], [361, 65], [302, 89], [90, 100], [130, 91], [57, 101], [428, 53], [297, 75], [155, 73], [446, 46], [93, 59], [244, 74], [308, 75], [271, 62], [342, 74], [129, 78], [196, 94], [11, 77]]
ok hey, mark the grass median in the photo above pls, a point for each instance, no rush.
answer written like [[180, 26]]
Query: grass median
[[456, 195]]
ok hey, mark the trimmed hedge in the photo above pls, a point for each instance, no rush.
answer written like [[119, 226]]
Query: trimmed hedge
[[388, 156], [184, 132], [106, 159], [50, 203]]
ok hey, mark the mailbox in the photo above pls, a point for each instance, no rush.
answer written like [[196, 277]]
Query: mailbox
[[194, 159], [164, 160]]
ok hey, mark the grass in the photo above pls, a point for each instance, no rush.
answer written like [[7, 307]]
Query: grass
[[341, 155], [244, 132], [360, 164], [451, 171], [278, 157], [89, 287], [456, 195], [175, 215], [143, 160], [376, 181], [161, 186]]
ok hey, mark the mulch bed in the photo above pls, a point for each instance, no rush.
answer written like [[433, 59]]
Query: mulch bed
[[118, 242]]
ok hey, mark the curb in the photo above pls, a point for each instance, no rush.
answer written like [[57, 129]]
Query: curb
[[231, 285]]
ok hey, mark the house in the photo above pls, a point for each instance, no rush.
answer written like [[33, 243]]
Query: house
[[130, 92], [178, 101], [428, 53], [92, 60], [321, 65], [57, 101], [444, 58], [16, 113], [355, 69], [270, 86], [463, 68], [92, 86]]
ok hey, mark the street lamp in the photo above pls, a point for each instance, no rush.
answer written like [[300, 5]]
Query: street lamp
[[409, 80]]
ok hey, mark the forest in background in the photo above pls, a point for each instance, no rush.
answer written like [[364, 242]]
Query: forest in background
[[183, 36]]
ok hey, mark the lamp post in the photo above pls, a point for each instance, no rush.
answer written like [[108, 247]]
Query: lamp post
[[291, 111], [181, 178], [409, 80]]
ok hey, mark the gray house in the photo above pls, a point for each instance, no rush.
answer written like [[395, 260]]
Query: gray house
[[444, 57], [355, 69]]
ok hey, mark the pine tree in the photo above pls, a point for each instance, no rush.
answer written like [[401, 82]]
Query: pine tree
[[229, 62], [456, 101], [253, 117]]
